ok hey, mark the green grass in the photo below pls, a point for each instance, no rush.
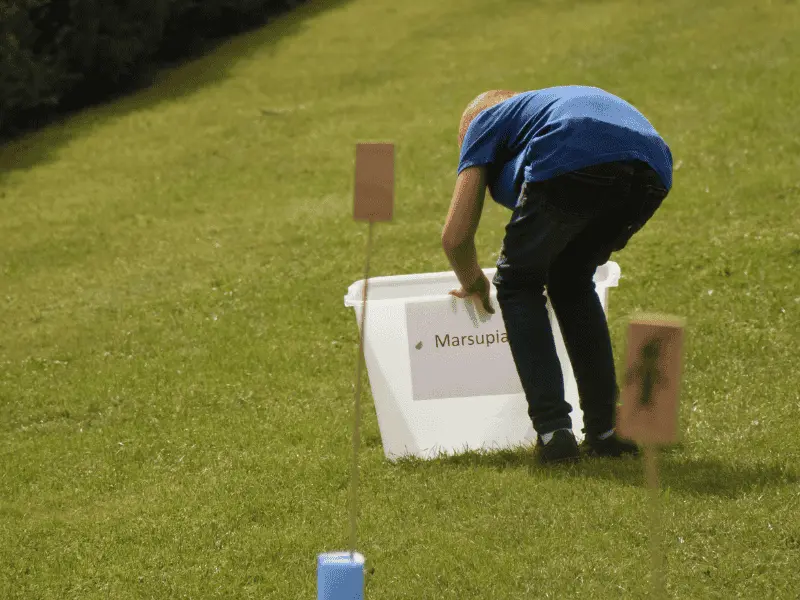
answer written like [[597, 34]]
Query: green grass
[[175, 415]]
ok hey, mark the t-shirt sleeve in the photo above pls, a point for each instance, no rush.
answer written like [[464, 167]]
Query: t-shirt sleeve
[[482, 141]]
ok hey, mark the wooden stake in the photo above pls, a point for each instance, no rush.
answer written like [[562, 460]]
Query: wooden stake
[[357, 407], [656, 548]]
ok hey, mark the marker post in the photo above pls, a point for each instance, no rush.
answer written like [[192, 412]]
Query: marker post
[[340, 575], [648, 413]]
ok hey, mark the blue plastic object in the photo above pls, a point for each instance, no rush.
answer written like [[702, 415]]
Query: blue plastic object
[[340, 576]]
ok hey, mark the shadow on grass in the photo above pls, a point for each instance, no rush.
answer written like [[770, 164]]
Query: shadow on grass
[[692, 475], [167, 83]]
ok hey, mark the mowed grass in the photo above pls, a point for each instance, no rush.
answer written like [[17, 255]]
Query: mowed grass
[[176, 363]]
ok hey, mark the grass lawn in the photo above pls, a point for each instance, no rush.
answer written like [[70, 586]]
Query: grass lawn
[[176, 362]]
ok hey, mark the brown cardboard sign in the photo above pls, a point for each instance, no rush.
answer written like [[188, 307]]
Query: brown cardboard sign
[[648, 413], [374, 189]]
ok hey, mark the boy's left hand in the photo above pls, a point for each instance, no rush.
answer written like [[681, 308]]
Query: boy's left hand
[[481, 289]]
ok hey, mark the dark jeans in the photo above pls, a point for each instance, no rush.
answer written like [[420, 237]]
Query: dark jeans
[[560, 232]]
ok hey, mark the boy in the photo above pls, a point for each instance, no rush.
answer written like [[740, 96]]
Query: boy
[[582, 171]]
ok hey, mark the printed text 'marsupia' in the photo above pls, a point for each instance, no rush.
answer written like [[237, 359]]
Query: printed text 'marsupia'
[[471, 340]]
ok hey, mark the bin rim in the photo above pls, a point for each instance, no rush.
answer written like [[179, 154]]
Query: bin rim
[[353, 296]]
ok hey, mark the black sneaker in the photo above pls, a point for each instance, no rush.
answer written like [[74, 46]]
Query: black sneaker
[[562, 447], [612, 446]]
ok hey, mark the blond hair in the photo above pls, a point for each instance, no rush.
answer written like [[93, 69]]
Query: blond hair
[[479, 104]]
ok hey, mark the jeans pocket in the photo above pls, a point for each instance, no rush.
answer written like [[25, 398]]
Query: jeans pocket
[[591, 178]]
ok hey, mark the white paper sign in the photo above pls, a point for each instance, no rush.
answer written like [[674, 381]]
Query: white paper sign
[[455, 352]]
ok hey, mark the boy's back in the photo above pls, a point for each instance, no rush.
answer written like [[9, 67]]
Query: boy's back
[[540, 134]]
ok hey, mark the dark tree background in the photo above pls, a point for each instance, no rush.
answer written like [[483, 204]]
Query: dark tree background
[[58, 55]]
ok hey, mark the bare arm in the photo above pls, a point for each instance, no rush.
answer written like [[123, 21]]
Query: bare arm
[[458, 235]]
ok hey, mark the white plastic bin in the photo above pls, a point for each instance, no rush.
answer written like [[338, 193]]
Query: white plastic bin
[[441, 372]]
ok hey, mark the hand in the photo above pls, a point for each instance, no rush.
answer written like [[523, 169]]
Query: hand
[[479, 288]]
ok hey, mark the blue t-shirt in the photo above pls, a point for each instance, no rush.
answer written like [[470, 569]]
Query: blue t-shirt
[[540, 134]]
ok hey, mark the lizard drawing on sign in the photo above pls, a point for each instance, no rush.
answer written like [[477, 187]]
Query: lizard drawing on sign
[[647, 371]]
